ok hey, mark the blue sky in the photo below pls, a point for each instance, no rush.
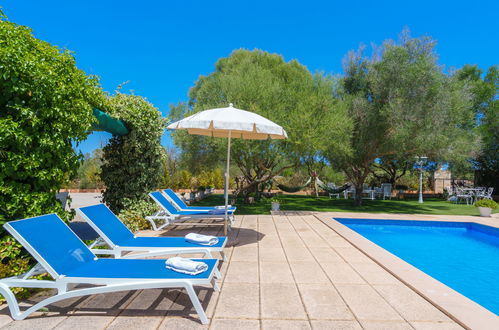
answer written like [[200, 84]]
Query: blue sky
[[162, 47]]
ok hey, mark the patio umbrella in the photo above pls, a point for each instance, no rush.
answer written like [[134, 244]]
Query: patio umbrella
[[230, 123]]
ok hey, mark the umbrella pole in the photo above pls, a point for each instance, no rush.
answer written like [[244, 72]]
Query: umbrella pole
[[227, 188]]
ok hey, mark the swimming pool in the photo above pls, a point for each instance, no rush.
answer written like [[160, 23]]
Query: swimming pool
[[462, 255]]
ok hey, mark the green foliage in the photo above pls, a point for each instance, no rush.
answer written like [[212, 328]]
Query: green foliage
[[134, 213], [486, 106], [402, 105], [486, 203], [45, 104], [89, 172], [132, 163], [284, 92]]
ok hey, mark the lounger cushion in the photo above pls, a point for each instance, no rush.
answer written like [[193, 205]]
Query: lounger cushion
[[135, 269], [166, 242], [182, 205]]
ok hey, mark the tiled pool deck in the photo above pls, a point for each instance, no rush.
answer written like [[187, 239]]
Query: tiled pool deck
[[283, 272]]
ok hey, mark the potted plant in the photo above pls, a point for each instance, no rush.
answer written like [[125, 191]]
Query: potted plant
[[276, 203], [486, 206]]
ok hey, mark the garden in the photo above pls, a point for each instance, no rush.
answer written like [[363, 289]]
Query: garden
[[366, 126]]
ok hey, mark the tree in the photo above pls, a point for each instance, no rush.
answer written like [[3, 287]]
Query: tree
[[133, 162], [45, 104], [485, 93], [401, 102], [286, 93]]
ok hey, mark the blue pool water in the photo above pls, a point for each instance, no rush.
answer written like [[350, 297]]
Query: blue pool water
[[464, 256]]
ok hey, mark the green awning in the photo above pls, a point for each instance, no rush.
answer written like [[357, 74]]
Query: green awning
[[109, 124]]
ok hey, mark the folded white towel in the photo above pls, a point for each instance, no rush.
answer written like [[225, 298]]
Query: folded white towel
[[186, 266], [201, 239], [222, 207]]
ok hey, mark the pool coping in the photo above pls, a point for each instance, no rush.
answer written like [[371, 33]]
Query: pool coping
[[461, 309]]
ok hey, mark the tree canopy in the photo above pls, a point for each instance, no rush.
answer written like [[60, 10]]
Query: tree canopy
[[284, 92], [401, 104]]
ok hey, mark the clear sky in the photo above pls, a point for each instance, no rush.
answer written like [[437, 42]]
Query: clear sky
[[162, 47]]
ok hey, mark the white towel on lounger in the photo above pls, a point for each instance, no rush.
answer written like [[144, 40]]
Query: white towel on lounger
[[201, 239], [186, 266]]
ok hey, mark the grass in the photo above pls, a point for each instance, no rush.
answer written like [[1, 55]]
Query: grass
[[324, 204]]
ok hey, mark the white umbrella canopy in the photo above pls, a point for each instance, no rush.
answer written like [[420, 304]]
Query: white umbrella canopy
[[230, 123]]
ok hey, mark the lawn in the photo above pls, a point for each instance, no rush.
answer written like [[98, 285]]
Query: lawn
[[324, 204]]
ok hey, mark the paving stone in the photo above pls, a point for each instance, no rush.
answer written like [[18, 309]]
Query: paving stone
[[324, 302], [436, 326], [367, 304], [242, 272], [326, 254], [182, 323], [238, 300], [224, 324], [385, 325], [352, 254], [281, 301], [285, 325], [335, 325], [272, 254], [409, 304], [374, 274], [135, 322], [342, 273], [308, 272], [275, 272], [298, 254], [245, 253]]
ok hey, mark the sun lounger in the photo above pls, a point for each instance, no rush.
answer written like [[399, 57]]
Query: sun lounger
[[120, 239], [68, 260], [169, 214], [181, 206]]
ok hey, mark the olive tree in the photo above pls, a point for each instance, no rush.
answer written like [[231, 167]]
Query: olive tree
[[401, 103], [286, 93]]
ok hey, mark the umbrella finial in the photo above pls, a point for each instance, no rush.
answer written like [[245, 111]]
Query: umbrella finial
[[231, 105]]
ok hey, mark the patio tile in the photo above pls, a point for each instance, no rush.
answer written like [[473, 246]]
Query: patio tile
[[374, 274], [285, 325], [242, 272], [245, 253], [377, 325], [281, 301], [367, 304], [326, 254], [324, 302], [298, 254], [308, 272], [341, 273], [352, 254], [270, 241], [223, 324], [133, 322], [335, 325], [36, 321], [409, 304], [182, 306], [275, 272], [238, 300], [338, 242], [271, 254], [182, 323], [436, 326]]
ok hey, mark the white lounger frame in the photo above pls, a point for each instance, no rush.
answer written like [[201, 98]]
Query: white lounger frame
[[117, 251], [62, 284], [169, 218]]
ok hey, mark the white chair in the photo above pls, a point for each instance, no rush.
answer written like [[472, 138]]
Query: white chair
[[386, 190]]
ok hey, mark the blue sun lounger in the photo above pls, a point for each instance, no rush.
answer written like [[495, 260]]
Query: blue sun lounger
[[169, 214], [68, 260], [181, 206], [120, 239]]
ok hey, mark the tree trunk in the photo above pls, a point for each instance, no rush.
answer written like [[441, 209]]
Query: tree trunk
[[358, 194]]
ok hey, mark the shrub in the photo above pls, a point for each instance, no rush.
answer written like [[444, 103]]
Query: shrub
[[486, 203], [132, 163], [45, 104], [133, 216]]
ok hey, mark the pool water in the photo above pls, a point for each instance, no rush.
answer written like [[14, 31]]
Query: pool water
[[464, 256]]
